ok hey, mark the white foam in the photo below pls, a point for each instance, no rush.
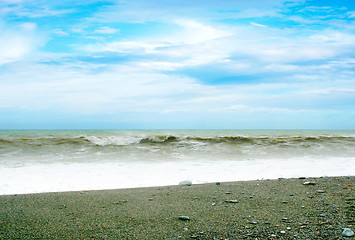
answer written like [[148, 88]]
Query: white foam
[[110, 175], [113, 140]]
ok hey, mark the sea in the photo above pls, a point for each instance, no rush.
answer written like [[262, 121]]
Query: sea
[[34, 161]]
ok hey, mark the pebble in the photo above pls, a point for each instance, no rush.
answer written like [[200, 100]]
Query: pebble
[[120, 202], [232, 201], [273, 235], [348, 232], [185, 183], [184, 218], [282, 231], [320, 191], [309, 183], [254, 222]]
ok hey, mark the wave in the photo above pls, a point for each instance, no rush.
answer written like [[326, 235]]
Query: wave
[[119, 140], [40, 141]]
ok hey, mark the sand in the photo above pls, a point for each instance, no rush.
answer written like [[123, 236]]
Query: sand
[[262, 209]]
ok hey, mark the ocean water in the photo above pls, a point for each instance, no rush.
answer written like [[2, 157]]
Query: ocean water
[[33, 161]]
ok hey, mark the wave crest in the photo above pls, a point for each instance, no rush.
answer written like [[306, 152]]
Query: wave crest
[[118, 140]]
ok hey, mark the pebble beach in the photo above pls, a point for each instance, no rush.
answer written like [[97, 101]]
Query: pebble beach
[[298, 208]]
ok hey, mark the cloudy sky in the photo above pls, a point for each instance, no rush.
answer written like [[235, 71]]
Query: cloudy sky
[[177, 64]]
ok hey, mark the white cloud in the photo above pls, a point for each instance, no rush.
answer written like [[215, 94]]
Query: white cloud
[[257, 24], [282, 67], [320, 46], [60, 32], [128, 73], [237, 49], [31, 9], [317, 9], [29, 26], [330, 91], [75, 89], [292, 53], [191, 43], [43, 12], [343, 63], [190, 32], [120, 89], [106, 30], [245, 109], [140, 11], [133, 47], [11, 1], [17, 42], [194, 32], [13, 48]]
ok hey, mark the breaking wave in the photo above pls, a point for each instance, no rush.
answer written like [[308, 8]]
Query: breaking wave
[[90, 140]]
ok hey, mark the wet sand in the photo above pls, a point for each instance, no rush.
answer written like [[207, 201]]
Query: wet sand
[[262, 209]]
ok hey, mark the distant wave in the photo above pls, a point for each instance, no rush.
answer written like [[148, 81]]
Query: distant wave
[[42, 141], [171, 140]]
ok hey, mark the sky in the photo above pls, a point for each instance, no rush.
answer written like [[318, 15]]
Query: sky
[[177, 64]]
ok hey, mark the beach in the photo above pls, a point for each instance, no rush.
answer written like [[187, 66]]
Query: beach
[[136, 119], [295, 208]]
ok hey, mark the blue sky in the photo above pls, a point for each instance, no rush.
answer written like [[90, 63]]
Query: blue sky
[[258, 64]]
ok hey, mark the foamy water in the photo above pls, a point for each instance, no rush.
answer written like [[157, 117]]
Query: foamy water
[[47, 161]]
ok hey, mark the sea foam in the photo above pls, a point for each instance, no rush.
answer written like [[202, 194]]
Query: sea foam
[[50, 161]]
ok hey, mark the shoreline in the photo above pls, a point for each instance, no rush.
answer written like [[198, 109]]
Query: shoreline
[[177, 184], [264, 209]]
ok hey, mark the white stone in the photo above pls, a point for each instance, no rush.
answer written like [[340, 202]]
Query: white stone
[[348, 232], [185, 183]]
